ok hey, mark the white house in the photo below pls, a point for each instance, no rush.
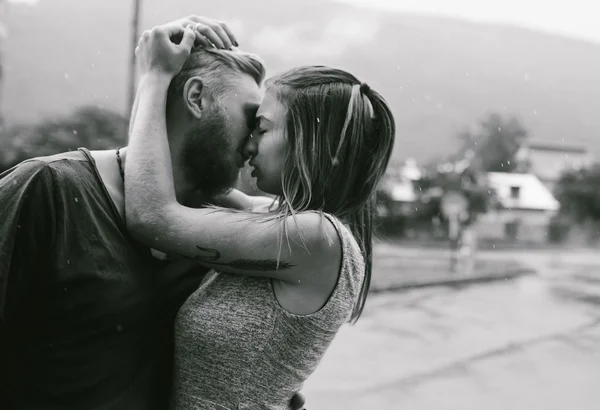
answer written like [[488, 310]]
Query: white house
[[526, 208]]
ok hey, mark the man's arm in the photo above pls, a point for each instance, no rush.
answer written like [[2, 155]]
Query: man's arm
[[26, 233]]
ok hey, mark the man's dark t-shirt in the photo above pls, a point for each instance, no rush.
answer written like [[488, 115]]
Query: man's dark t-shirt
[[85, 316]]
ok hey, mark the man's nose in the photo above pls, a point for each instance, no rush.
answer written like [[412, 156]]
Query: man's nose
[[249, 149]]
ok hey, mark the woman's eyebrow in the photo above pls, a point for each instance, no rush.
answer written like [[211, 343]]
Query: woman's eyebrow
[[261, 118]]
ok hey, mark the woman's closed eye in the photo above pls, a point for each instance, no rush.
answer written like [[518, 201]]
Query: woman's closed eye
[[258, 131]]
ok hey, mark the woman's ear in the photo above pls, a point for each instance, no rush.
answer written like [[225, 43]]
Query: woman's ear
[[195, 96]]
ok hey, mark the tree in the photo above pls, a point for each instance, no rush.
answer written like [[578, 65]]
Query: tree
[[495, 143], [90, 127], [457, 177], [579, 194]]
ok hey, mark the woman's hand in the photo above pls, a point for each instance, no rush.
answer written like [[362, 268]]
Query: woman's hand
[[158, 55]]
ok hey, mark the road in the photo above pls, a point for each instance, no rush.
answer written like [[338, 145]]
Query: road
[[532, 343]]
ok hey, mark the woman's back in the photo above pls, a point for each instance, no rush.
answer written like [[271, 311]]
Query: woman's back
[[237, 348]]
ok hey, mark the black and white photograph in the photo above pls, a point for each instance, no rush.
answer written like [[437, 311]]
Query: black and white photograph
[[299, 205]]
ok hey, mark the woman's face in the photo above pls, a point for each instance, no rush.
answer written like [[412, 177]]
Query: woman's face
[[267, 145]]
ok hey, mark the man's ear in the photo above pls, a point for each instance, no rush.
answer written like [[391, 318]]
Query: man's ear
[[195, 96]]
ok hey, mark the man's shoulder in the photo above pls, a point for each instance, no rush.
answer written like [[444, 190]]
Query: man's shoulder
[[61, 161], [66, 166]]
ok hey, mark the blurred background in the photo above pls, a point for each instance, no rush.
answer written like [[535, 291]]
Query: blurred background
[[486, 290]]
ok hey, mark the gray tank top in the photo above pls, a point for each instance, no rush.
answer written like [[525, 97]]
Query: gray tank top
[[237, 348]]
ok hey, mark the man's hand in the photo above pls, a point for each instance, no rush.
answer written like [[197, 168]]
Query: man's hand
[[157, 54]]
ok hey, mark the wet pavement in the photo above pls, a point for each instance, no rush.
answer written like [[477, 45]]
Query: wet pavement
[[530, 343]]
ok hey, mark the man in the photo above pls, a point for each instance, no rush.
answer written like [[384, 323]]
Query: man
[[86, 313]]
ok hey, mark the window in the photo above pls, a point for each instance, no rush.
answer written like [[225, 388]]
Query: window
[[515, 192]]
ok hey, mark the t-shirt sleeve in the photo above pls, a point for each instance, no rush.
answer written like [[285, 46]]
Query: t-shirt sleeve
[[26, 232]]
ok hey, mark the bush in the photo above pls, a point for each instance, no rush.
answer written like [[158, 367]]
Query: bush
[[90, 127]]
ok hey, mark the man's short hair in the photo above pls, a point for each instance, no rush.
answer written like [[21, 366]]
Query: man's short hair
[[215, 66]]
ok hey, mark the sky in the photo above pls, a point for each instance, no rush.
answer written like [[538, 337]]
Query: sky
[[574, 18]]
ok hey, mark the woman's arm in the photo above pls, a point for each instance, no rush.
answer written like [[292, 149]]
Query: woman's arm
[[237, 199]]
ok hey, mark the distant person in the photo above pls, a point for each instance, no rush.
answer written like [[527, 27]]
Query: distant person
[[86, 312], [290, 277]]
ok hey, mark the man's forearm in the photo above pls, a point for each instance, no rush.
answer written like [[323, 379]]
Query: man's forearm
[[133, 111], [148, 168]]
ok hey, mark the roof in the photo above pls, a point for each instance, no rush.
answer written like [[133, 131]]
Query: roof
[[403, 192], [400, 190], [543, 146], [533, 194]]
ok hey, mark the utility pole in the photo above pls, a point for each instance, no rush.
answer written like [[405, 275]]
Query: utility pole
[[135, 36]]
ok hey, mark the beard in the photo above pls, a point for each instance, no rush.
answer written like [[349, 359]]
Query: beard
[[210, 156]]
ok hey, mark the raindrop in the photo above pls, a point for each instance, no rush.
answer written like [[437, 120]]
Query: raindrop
[[74, 132], [119, 328], [66, 76], [76, 199], [318, 119]]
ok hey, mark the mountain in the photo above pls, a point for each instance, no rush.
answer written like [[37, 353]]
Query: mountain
[[440, 75]]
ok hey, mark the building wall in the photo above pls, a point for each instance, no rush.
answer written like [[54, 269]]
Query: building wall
[[548, 165], [528, 226]]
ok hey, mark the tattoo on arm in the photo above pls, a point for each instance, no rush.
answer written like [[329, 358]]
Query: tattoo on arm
[[212, 256]]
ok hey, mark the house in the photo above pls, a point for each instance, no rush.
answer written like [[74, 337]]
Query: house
[[549, 161], [398, 187], [526, 208]]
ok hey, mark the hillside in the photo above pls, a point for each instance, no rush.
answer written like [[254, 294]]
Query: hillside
[[440, 75]]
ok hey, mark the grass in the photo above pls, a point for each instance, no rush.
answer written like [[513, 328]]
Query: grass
[[397, 267]]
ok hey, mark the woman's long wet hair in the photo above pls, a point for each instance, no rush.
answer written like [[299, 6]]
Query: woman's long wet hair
[[340, 135]]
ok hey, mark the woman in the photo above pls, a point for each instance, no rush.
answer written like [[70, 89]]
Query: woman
[[290, 277]]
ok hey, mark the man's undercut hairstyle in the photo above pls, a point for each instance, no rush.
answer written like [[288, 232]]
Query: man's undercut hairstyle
[[216, 67]]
